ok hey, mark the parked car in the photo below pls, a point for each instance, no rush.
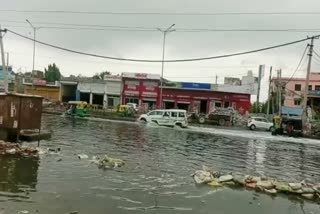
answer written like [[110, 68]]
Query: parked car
[[259, 123], [134, 106], [168, 117]]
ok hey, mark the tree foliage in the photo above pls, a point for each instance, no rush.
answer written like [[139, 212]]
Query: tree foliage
[[52, 73], [101, 75]]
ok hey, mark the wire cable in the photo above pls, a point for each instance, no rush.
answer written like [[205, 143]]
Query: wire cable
[[298, 66], [158, 61], [295, 13]]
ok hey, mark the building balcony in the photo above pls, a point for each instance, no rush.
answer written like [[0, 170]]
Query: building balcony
[[314, 93]]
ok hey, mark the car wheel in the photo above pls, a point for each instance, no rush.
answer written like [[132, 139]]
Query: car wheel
[[252, 127], [179, 125], [202, 120], [143, 120], [270, 129]]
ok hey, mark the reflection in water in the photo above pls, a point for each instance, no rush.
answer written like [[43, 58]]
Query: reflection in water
[[18, 175]]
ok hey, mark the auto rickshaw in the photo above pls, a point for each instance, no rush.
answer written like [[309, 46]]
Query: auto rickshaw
[[287, 125], [77, 108], [125, 110]]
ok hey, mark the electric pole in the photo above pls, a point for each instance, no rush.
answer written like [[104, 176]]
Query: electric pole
[[280, 92], [216, 79], [269, 91], [168, 30], [4, 69], [261, 67], [306, 87]]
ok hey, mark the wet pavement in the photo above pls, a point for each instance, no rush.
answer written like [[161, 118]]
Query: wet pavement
[[156, 177]]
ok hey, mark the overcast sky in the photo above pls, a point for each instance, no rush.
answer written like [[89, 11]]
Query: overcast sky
[[148, 44]]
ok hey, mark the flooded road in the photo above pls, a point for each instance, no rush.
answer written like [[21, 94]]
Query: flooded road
[[156, 178]]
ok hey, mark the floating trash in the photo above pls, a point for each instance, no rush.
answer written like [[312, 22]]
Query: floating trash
[[83, 156], [16, 149], [268, 185], [107, 162]]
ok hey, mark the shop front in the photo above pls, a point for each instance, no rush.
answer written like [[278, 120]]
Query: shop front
[[204, 101], [142, 89]]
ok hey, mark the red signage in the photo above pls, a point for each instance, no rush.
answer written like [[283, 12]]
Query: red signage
[[140, 75], [39, 82]]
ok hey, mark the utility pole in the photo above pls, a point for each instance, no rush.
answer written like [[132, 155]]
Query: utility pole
[[306, 87], [216, 79], [261, 67], [7, 60], [4, 69], [168, 30], [280, 92], [269, 91]]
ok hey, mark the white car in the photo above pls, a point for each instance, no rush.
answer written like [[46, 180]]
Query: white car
[[133, 106], [167, 117], [259, 123]]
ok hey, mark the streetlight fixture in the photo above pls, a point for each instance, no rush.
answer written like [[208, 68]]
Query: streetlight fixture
[[168, 30], [34, 41]]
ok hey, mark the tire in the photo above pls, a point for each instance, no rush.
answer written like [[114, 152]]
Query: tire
[[179, 124], [252, 127], [270, 129], [143, 120], [222, 122], [202, 120]]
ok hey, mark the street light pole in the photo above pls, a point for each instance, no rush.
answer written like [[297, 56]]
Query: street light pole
[[168, 30], [34, 42]]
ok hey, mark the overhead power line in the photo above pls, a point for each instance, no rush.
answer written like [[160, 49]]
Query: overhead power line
[[157, 61], [280, 13], [96, 27], [299, 64]]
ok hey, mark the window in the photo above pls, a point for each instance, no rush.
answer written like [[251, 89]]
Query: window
[[166, 114], [226, 104], [159, 113], [317, 88], [152, 113], [310, 88], [181, 114], [174, 114], [297, 87], [297, 102], [217, 104], [132, 100]]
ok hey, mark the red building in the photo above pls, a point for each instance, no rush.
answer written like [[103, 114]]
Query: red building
[[201, 98], [141, 88]]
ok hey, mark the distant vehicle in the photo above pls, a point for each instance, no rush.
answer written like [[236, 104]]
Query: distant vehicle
[[77, 108], [134, 106], [259, 123], [220, 116], [167, 117]]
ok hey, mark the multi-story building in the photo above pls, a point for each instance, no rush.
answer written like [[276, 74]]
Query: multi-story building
[[293, 91]]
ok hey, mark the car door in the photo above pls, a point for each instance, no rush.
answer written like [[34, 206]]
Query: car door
[[173, 118], [258, 123], [266, 124], [164, 118]]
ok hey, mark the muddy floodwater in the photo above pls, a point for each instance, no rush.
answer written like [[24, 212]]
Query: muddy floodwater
[[156, 177]]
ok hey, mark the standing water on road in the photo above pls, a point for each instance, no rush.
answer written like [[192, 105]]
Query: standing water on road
[[156, 177]]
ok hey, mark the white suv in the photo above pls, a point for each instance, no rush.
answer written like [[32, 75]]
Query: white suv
[[168, 117], [259, 123]]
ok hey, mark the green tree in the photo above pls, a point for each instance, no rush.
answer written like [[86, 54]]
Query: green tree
[[52, 73], [101, 75]]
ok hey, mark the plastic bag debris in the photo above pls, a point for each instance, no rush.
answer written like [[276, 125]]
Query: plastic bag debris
[[83, 156], [107, 163], [265, 184]]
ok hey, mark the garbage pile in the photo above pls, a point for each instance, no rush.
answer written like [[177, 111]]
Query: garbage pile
[[106, 162], [263, 184], [16, 149], [315, 129]]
